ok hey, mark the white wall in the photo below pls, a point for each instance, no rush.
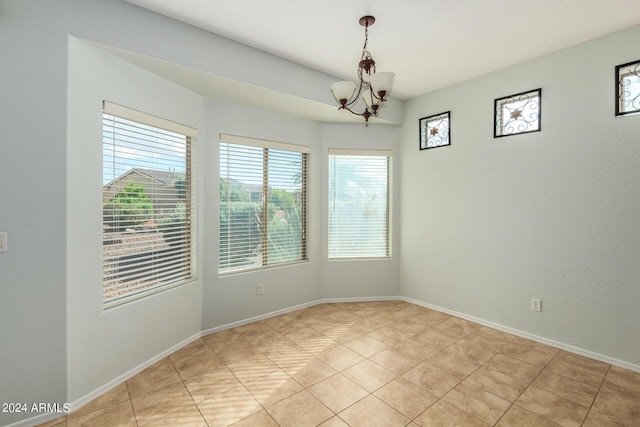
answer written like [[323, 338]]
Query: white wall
[[233, 297], [365, 278], [32, 199], [487, 224], [105, 344], [50, 312]]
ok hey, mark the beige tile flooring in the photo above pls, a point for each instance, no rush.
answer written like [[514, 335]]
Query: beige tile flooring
[[368, 364]]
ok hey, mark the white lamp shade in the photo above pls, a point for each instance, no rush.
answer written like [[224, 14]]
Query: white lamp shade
[[366, 97], [382, 81], [343, 90]]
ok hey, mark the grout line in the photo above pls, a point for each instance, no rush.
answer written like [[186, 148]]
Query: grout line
[[390, 321], [135, 418], [185, 386], [529, 385], [595, 396]]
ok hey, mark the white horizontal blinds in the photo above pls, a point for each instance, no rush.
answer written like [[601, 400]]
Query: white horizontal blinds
[[263, 143], [241, 204], [262, 203], [148, 205], [359, 203], [286, 210]]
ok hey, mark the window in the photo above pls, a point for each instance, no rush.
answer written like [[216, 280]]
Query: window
[[148, 212], [435, 131], [628, 88], [359, 203], [515, 114], [263, 203]]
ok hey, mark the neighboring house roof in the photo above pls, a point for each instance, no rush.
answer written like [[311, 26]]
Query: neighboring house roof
[[168, 178], [163, 177], [253, 188]]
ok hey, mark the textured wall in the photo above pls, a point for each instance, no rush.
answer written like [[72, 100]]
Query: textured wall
[[103, 345], [360, 278], [487, 224], [32, 209], [232, 298]]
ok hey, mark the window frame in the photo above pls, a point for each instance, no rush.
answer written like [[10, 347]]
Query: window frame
[[389, 205], [186, 252], [443, 130], [623, 71], [267, 145], [500, 104]]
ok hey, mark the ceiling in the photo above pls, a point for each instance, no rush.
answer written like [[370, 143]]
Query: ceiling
[[429, 44]]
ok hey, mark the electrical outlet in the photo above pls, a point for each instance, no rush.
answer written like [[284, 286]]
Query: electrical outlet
[[536, 304], [260, 288]]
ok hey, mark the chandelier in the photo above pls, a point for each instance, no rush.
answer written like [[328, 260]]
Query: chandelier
[[374, 87]]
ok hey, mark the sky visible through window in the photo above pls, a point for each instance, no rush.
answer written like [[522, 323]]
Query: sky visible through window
[[135, 146], [630, 92], [358, 206], [251, 172], [520, 115]]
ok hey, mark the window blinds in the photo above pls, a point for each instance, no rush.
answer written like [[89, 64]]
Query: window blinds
[[359, 203], [148, 204], [263, 206]]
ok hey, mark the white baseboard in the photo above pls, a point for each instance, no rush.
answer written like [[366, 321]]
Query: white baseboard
[[363, 299], [256, 318], [294, 308], [532, 337], [77, 404]]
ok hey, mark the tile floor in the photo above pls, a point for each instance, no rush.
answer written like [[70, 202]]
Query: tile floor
[[368, 364]]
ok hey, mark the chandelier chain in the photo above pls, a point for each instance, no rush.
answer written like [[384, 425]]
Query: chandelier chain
[[366, 55], [366, 40]]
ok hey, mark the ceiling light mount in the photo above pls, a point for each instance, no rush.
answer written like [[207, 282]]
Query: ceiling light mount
[[374, 87], [367, 21]]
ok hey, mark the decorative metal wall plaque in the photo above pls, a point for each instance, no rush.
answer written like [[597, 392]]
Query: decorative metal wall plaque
[[628, 88], [435, 131], [516, 114]]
